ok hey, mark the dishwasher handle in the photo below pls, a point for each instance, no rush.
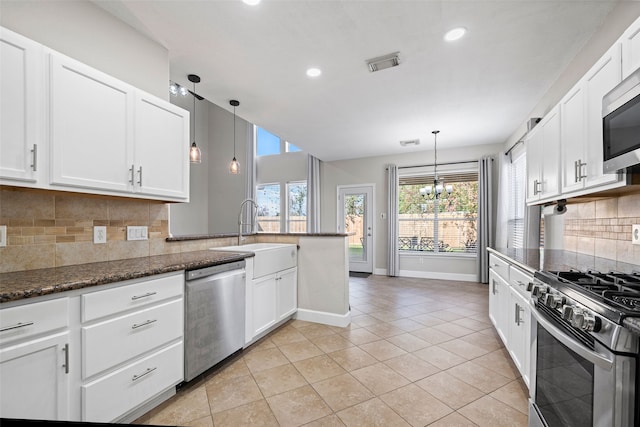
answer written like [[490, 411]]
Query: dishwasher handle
[[215, 269]]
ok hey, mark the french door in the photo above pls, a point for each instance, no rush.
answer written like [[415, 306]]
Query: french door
[[355, 217]]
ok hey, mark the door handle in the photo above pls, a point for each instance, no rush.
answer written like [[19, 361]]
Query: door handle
[[131, 174], [140, 176], [34, 152], [66, 358]]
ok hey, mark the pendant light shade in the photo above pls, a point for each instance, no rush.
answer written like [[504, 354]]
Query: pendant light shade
[[234, 166], [195, 155]]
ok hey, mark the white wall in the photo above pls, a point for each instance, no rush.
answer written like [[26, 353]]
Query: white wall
[[372, 170], [85, 32]]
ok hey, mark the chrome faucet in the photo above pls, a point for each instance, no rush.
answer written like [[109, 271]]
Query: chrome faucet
[[253, 219]]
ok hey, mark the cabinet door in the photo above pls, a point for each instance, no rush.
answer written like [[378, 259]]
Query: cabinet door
[[602, 77], [264, 304], [498, 300], [34, 379], [631, 49], [572, 128], [287, 292], [161, 148], [518, 323], [91, 127], [550, 155], [533, 143], [21, 124]]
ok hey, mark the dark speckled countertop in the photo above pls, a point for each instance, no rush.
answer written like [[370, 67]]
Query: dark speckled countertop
[[33, 283]]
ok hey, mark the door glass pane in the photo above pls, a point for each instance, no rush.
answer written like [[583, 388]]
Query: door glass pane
[[297, 207], [354, 223], [268, 199]]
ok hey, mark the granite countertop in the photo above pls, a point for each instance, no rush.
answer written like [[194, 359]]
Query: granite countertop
[[220, 235], [560, 260], [33, 283]]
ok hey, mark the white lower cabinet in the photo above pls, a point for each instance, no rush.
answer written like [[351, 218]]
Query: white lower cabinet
[[498, 300], [287, 293], [519, 326], [264, 304]]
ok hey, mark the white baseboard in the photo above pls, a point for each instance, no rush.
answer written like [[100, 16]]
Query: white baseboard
[[380, 271], [439, 275], [331, 319]]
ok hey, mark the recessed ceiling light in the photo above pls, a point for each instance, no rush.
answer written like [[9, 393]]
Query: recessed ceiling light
[[455, 34], [314, 72], [251, 2]]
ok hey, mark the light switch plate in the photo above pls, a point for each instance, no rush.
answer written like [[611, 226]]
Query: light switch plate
[[137, 232], [100, 234], [3, 236], [635, 234]]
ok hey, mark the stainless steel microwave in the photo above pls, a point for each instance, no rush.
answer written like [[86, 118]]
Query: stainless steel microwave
[[621, 125]]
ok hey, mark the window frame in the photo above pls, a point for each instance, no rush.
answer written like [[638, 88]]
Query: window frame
[[287, 206]]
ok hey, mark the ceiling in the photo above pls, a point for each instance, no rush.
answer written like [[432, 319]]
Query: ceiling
[[476, 90]]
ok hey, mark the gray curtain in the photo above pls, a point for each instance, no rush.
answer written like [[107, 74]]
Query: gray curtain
[[393, 257], [313, 194], [485, 216], [502, 216], [250, 179]]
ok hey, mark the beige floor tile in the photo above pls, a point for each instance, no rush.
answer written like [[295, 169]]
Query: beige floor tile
[[408, 342], [230, 393], [382, 350], [330, 421], [360, 336], [448, 316], [484, 340], [379, 378], [450, 390], [279, 379], [253, 414], [318, 368], [439, 357], [353, 358], [298, 406], [300, 350], [514, 394], [407, 325], [384, 330], [331, 343], [264, 344], [415, 405], [315, 330], [431, 335], [453, 420], [453, 329], [200, 422], [428, 320], [463, 349], [235, 368], [286, 335], [182, 408], [386, 316], [490, 412], [266, 359], [365, 320], [411, 367], [500, 362], [342, 391], [300, 323], [478, 376], [372, 413], [472, 324]]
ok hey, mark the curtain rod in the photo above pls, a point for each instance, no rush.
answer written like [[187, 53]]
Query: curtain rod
[[520, 141], [439, 164]]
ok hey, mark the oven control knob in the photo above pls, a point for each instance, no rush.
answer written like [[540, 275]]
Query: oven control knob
[[529, 286], [554, 301], [577, 318], [591, 323], [539, 291], [567, 312]]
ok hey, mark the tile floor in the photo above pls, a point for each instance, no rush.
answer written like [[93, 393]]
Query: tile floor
[[418, 352]]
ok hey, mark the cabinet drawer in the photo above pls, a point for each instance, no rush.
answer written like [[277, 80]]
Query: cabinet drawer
[[32, 319], [518, 280], [115, 394], [109, 343], [500, 266], [116, 300]]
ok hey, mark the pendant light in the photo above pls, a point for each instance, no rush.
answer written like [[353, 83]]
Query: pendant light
[[195, 156], [234, 166], [438, 186]]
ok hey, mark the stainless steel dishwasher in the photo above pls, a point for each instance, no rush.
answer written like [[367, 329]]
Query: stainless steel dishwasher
[[214, 316]]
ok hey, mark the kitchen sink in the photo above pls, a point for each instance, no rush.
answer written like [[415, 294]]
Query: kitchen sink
[[269, 257]]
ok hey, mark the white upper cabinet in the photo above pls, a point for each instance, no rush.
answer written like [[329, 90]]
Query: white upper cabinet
[[543, 158], [91, 128], [21, 124], [572, 112], [630, 41]]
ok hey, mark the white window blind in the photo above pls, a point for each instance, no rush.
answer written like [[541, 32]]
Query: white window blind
[[516, 199]]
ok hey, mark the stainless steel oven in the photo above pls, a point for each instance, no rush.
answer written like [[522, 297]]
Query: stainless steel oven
[[584, 365]]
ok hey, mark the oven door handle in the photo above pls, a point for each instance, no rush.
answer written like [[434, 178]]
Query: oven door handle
[[598, 359]]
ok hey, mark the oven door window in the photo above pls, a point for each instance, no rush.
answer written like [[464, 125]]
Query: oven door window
[[564, 384]]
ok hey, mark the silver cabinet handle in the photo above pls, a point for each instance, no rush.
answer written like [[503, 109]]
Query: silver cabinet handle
[[147, 372], [517, 315], [493, 282], [519, 283], [140, 176], [575, 171], [137, 297], [66, 358], [131, 174], [580, 175], [34, 152], [140, 325], [535, 187], [16, 326]]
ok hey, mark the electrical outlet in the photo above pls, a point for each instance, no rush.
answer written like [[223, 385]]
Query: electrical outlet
[[3, 236], [137, 232], [635, 234], [100, 234]]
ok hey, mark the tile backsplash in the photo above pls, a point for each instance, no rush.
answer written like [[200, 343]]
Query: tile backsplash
[[603, 228], [51, 229]]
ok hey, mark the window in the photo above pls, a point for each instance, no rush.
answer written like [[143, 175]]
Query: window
[[516, 200], [297, 207], [267, 144], [444, 225], [268, 200], [292, 148]]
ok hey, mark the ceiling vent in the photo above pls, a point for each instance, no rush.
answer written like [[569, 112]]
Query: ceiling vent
[[383, 62], [410, 142]]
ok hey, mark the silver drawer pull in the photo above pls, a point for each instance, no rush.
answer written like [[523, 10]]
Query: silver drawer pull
[[66, 358], [519, 283], [147, 372], [34, 152], [16, 326], [140, 325], [148, 294]]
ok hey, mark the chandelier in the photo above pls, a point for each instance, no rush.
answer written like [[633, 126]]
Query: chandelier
[[438, 187]]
